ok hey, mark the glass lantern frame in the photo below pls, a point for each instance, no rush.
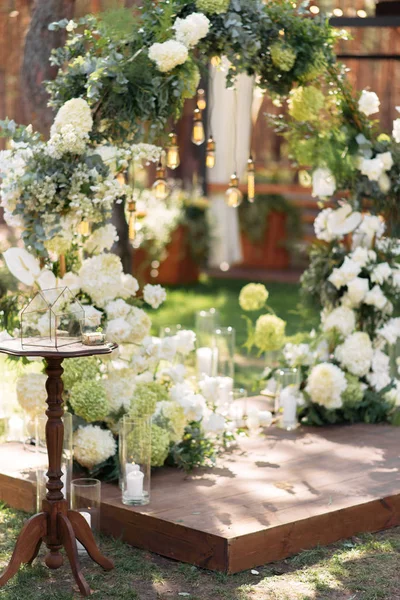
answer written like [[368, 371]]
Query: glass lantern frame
[[44, 303]]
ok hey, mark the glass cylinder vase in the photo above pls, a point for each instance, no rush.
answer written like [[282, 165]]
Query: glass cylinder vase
[[86, 499], [135, 457], [285, 377], [223, 343]]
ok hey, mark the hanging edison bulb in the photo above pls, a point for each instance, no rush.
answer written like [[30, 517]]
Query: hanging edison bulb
[[198, 135], [201, 99], [233, 195], [251, 180], [160, 186], [210, 153], [132, 220], [173, 160]]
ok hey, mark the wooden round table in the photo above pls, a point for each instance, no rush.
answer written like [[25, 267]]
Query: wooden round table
[[56, 526]]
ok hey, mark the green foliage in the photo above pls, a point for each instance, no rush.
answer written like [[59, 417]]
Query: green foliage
[[316, 290], [199, 235], [195, 450], [105, 60], [254, 217]]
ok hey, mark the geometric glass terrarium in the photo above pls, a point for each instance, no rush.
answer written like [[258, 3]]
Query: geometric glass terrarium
[[53, 318]]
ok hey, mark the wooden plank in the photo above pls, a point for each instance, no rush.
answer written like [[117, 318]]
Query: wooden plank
[[248, 551], [18, 493]]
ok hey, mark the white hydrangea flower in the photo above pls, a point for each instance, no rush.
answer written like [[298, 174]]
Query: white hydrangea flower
[[297, 355], [357, 289], [92, 316], [101, 239], [93, 445], [326, 384], [394, 394], [214, 424], [119, 331], [154, 295], [345, 273], [324, 183], [192, 29], [140, 323], [119, 386], [168, 55], [387, 160], [118, 308], [396, 278], [390, 332], [186, 341], [75, 112], [379, 378], [209, 387], [384, 183], [376, 297], [167, 348], [31, 393], [381, 273], [368, 103], [101, 278], [355, 354], [342, 318], [129, 285], [194, 405]]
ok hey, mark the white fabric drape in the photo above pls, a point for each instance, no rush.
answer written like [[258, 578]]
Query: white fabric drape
[[228, 107]]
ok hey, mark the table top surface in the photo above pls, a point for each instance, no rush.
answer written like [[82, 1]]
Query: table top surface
[[14, 347]]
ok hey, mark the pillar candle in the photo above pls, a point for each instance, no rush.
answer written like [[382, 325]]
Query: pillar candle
[[204, 361], [134, 484], [88, 519]]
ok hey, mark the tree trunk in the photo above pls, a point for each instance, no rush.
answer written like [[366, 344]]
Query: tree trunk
[[36, 67]]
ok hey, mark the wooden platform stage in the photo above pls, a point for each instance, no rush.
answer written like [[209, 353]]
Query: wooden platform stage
[[277, 494]]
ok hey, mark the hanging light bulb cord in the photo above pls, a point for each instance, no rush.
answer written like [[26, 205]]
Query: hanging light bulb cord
[[235, 131], [211, 103]]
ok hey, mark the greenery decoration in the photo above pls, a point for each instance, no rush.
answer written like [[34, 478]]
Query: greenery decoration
[[253, 217]]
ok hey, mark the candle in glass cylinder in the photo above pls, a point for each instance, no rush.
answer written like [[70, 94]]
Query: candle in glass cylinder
[[225, 391], [88, 519], [204, 361], [288, 402], [134, 482]]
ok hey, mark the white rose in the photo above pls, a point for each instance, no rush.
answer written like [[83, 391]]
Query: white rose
[[368, 103], [376, 297], [324, 183], [154, 295], [381, 273], [343, 220], [363, 256], [356, 292], [384, 183], [347, 272], [387, 160], [372, 168]]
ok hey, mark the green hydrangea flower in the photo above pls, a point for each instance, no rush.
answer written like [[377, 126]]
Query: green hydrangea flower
[[283, 56], [316, 67], [88, 400], [171, 417], [159, 446], [145, 398], [253, 296], [213, 7], [269, 333], [353, 393], [79, 369], [192, 81], [305, 103]]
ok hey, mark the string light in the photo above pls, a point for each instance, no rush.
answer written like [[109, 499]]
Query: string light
[[132, 220], [251, 180], [338, 12], [233, 195], [160, 186], [362, 14], [201, 99], [210, 153], [198, 135], [314, 10], [173, 160]]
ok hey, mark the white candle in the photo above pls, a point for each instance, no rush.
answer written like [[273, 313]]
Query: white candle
[[288, 401], [134, 483], [88, 518], [204, 361]]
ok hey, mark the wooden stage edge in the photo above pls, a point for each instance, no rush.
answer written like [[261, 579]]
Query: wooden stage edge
[[276, 495]]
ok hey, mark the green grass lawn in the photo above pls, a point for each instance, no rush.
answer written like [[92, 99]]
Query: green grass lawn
[[363, 568], [183, 303]]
